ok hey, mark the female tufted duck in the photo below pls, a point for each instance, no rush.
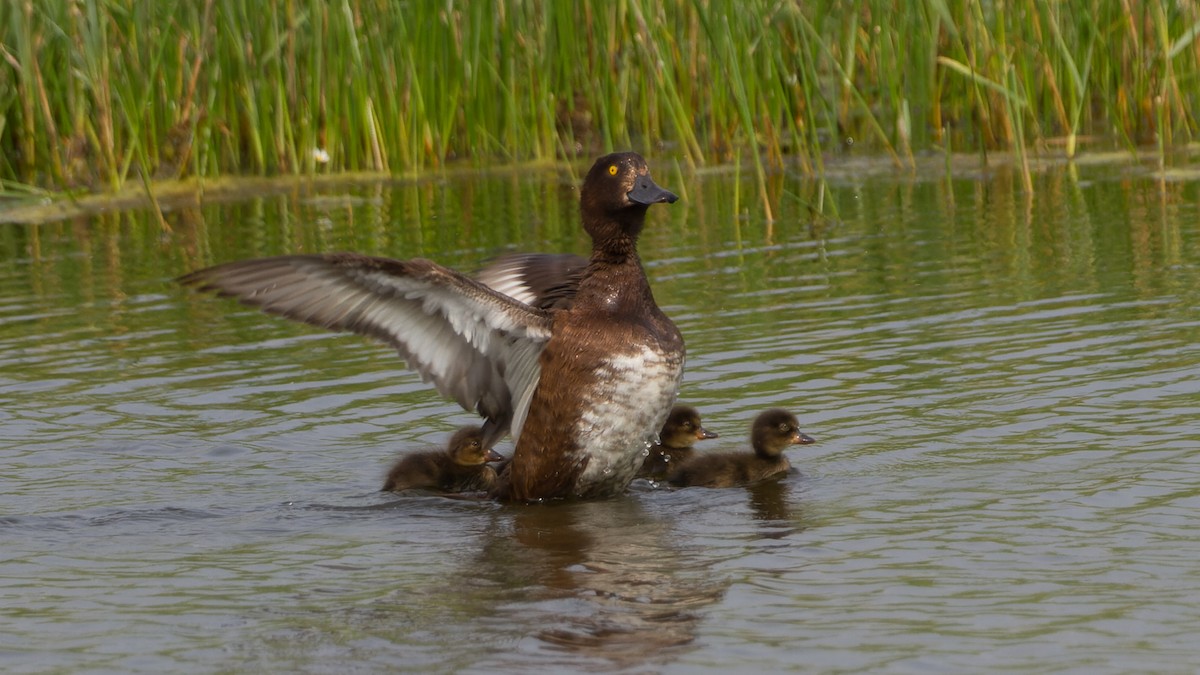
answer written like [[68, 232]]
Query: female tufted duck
[[460, 467], [582, 389], [772, 432], [675, 442]]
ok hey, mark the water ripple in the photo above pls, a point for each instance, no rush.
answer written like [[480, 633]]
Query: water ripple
[[1003, 391]]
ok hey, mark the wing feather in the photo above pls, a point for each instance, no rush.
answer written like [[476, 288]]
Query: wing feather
[[546, 280], [477, 346]]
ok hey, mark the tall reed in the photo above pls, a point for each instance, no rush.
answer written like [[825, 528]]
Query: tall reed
[[96, 93]]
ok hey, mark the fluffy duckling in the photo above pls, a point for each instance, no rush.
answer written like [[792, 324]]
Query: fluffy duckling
[[675, 442], [772, 432], [461, 467]]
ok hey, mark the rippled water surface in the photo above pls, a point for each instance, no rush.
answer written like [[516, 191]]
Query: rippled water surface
[[1005, 389]]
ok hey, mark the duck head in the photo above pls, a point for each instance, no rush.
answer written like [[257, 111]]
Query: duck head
[[774, 430], [615, 195], [466, 448], [682, 428]]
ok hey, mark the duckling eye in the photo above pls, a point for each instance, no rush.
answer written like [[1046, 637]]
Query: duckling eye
[[784, 429], [612, 170]]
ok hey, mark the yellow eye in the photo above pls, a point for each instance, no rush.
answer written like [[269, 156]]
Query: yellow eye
[[612, 170]]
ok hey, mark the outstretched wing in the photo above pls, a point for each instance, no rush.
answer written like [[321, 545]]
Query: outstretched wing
[[545, 280], [476, 345]]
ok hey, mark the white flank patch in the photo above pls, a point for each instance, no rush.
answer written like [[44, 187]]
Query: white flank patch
[[629, 404]]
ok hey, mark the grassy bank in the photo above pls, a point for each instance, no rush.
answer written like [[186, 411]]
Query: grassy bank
[[98, 93]]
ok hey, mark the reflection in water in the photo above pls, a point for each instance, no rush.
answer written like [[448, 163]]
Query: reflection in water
[[770, 501], [604, 582]]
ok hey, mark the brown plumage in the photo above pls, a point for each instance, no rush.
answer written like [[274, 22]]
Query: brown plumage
[[676, 442], [582, 377], [772, 432], [460, 467], [611, 369]]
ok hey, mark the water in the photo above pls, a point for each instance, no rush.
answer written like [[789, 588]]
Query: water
[[1005, 390]]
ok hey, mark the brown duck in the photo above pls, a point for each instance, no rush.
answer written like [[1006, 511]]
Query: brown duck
[[583, 389]]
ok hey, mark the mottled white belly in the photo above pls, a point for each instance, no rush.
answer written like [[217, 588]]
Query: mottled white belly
[[631, 401]]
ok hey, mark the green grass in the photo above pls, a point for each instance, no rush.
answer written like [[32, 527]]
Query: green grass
[[98, 93]]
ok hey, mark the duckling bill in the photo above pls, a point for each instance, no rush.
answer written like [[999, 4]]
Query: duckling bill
[[581, 388], [772, 432]]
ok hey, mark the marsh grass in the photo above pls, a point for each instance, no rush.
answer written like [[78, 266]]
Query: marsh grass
[[96, 93]]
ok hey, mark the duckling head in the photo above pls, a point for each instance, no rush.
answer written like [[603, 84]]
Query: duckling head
[[682, 428], [774, 430], [466, 448]]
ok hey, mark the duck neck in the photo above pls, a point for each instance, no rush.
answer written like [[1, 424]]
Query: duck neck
[[620, 250], [762, 451], [616, 245]]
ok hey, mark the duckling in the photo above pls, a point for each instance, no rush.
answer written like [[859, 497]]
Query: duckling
[[461, 467], [772, 432], [679, 433]]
